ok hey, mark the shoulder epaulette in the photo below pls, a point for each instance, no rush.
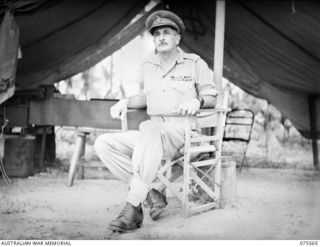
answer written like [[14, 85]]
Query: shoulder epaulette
[[191, 56]]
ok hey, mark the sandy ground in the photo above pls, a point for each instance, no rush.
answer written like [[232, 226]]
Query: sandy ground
[[271, 204]]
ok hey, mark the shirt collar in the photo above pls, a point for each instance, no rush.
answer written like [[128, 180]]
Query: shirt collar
[[156, 60], [180, 57]]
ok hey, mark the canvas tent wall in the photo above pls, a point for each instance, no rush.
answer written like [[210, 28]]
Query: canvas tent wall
[[62, 38], [270, 52], [272, 48]]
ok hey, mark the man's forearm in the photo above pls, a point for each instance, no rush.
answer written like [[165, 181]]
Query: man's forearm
[[209, 101], [137, 101]]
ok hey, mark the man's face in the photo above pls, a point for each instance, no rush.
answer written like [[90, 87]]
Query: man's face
[[166, 39]]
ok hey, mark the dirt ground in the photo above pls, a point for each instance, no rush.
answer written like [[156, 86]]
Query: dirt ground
[[271, 204]]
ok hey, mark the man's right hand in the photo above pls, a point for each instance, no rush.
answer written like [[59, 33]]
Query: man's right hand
[[119, 110]]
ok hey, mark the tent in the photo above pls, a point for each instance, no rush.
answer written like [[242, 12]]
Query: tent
[[272, 48]]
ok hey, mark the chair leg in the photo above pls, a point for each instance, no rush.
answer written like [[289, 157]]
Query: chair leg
[[83, 152], [244, 159], [75, 157], [186, 180], [186, 169], [217, 179], [168, 176]]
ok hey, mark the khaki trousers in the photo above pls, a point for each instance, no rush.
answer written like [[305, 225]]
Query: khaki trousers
[[135, 156]]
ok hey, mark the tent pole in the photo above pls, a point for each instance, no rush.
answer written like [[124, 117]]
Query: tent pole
[[313, 129], [219, 45]]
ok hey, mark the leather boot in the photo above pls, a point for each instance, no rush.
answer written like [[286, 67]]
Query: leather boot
[[157, 202], [129, 219]]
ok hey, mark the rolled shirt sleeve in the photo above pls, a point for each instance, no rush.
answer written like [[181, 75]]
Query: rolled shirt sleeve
[[205, 84]]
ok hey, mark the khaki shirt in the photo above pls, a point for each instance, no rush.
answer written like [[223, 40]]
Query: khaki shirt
[[186, 78]]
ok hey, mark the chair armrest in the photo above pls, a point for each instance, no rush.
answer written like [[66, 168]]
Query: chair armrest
[[214, 110], [224, 110]]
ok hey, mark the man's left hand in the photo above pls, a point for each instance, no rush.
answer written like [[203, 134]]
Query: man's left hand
[[189, 108]]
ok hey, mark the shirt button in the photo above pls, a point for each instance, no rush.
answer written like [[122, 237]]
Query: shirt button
[[163, 90]]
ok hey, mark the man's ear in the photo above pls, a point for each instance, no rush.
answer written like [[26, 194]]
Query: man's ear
[[178, 38]]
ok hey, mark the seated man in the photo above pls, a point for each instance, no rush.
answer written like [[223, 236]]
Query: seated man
[[173, 84]]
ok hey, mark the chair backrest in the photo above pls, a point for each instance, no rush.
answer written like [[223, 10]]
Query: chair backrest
[[238, 125]]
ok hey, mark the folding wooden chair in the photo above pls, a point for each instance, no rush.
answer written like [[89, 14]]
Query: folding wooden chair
[[193, 168]]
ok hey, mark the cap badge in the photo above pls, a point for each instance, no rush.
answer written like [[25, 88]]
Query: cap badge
[[158, 19]]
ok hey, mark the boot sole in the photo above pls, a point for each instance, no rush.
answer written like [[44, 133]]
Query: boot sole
[[117, 229]]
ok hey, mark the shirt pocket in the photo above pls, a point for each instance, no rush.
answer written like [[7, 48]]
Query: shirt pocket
[[183, 87], [149, 89]]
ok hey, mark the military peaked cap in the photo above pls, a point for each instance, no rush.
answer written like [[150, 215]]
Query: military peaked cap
[[164, 18]]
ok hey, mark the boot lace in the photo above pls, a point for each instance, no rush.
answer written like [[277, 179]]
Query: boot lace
[[156, 198], [125, 211]]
